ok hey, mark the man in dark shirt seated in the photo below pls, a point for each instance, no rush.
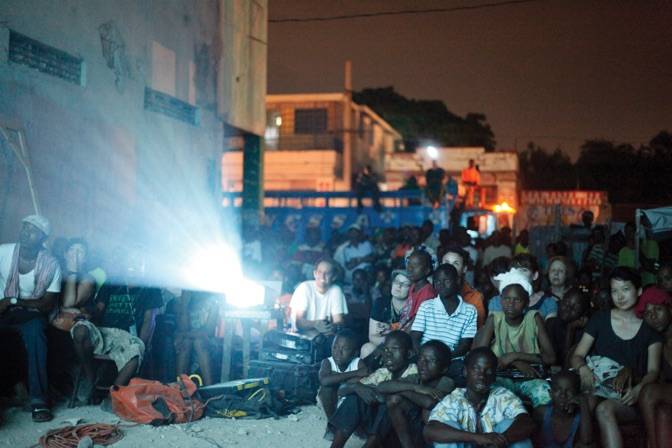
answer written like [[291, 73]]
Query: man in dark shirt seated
[[121, 326]]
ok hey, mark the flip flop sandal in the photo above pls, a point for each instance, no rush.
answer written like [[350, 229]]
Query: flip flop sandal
[[41, 415]]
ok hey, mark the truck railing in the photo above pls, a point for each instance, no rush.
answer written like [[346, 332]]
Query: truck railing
[[399, 198]]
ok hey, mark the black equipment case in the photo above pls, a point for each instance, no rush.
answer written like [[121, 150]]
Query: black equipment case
[[299, 382], [293, 347]]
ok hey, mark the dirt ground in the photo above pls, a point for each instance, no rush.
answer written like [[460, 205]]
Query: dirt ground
[[304, 429]]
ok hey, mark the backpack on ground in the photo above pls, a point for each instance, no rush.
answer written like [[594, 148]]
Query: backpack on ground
[[154, 403], [254, 400]]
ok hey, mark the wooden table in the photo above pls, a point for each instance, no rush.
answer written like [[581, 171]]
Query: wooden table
[[246, 316]]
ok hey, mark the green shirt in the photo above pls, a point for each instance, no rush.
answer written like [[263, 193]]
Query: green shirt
[[626, 257]]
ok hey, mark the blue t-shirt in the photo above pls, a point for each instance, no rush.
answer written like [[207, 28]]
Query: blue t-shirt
[[546, 306]]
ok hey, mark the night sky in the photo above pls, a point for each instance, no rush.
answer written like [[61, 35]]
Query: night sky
[[556, 71]]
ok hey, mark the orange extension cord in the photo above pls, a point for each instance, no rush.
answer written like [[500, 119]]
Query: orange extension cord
[[69, 436]]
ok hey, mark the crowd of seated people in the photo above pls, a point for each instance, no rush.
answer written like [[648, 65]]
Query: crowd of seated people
[[567, 355], [443, 341]]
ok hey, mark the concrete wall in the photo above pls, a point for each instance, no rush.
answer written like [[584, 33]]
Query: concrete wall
[[286, 170], [241, 77], [102, 164]]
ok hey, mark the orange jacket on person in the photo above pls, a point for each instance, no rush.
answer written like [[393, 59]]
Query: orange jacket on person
[[474, 297], [471, 175]]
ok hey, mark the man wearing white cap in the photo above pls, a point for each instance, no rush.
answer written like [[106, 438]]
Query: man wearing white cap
[[30, 280]]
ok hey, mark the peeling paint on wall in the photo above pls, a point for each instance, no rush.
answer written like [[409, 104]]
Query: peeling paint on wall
[[114, 52]]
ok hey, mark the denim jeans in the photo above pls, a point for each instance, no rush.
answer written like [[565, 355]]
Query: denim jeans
[[33, 333]]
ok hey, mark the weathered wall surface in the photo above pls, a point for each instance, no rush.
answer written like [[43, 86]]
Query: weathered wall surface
[[102, 163]]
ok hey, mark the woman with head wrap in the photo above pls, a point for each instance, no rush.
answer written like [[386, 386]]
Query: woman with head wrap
[[655, 400], [519, 340]]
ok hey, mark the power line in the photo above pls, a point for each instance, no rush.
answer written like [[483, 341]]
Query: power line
[[568, 137], [401, 12]]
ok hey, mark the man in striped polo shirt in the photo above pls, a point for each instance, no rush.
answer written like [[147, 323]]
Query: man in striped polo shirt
[[447, 318]]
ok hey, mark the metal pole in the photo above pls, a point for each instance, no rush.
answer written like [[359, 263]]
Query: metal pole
[[638, 218], [22, 155], [253, 180], [347, 126]]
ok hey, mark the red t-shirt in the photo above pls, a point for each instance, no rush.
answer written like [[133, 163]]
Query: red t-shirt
[[415, 299]]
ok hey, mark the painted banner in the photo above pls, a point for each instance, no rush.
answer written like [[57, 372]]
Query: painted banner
[[548, 208], [573, 197]]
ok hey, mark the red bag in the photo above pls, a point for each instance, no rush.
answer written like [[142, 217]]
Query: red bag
[[154, 403]]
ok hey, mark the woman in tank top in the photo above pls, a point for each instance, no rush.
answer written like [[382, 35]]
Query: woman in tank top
[[617, 356]]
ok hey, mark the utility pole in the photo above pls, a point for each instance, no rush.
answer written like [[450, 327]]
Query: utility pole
[[347, 126], [253, 180]]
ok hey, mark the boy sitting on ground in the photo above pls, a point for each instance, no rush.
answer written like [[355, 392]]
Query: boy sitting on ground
[[447, 318], [362, 399], [408, 405], [567, 420], [519, 340], [342, 366], [480, 414], [121, 326]]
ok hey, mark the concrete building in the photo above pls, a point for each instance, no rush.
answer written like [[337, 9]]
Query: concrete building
[[114, 114], [316, 141]]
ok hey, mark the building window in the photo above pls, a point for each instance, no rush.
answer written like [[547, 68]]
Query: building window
[[310, 121], [272, 133], [164, 69], [45, 58]]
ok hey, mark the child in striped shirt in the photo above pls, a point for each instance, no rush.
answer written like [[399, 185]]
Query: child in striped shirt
[[447, 318]]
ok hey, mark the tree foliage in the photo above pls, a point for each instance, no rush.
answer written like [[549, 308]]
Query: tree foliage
[[420, 121], [627, 173], [543, 170]]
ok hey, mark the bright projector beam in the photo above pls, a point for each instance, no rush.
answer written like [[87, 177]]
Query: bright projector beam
[[218, 269]]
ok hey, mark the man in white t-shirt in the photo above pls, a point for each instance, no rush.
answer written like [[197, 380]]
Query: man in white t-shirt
[[317, 305], [356, 253], [30, 280], [498, 248]]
